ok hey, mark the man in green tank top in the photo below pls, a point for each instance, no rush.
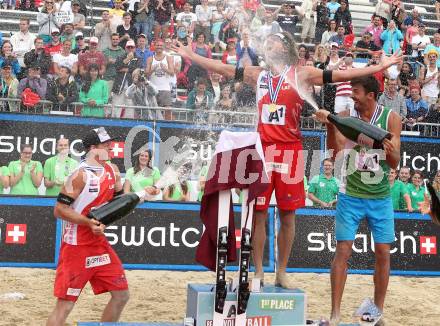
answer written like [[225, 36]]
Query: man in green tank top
[[364, 191]]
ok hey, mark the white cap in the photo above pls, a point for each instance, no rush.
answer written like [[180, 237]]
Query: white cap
[[130, 43], [55, 30], [79, 34], [94, 39]]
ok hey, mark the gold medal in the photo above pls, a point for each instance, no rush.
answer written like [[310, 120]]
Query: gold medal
[[272, 107]]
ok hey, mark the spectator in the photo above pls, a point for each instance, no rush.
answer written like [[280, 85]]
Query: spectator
[[383, 10], [434, 46], [376, 57], [324, 188], [429, 78], [215, 87], [46, 21], [398, 13], [409, 20], [27, 5], [329, 90], [343, 100], [200, 99], [68, 34], [162, 18], [416, 191], [81, 46], [142, 51], [218, 16], [192, 70], [144, 18], [22, 41], [143, 93], [245, 50], [66, 59], [339, 37], [125, 65], [79, 21], [399, 193], [116, 14], [330, 32], [9, 87], [256, 22], [419, 42], [25, 175], [244, 95], [202, 181], [343, 17], [177, 62], [392, 99], [375, 29], [417, 108], [159, 69], [434, 117], [308, 8], [405, 175], [94, 93], [63, 91], [4, 178], [34, 81], [126, 31], [322, 21], [406, 75], [287, 20], [332, 6], [365, 46], [142, 175], [437, 10], [92, 56], [7, 54], [392, 39], [181, 190], [104, 31], [204, 16], [111, 55], [54, 46], [303, 55], [411, 31], [230, 55], [225, 103], [320, 57], [229, 29], [38, 56], [270, 26], [57, 168]]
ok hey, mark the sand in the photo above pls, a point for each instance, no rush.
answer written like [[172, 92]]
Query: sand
[[161, 296]]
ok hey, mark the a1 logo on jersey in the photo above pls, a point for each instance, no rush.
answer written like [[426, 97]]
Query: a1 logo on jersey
[[16, 233], [273, 114]]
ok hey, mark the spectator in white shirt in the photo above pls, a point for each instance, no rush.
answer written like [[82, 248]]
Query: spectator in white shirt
[[22, 41], [187, 18], [419, 43], [204, 16], [65, 59]]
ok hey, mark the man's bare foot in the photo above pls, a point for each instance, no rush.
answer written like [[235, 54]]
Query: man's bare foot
[[260, 275]]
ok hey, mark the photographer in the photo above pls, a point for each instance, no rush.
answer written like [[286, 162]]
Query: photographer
[[143, 93]]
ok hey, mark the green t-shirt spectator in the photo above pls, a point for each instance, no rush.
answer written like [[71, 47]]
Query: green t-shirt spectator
[[398, 190], [139, 181], [203, 173], [57, 171], [416, 196], [4, 172], [324, 189], [25, 186], [99, 92]]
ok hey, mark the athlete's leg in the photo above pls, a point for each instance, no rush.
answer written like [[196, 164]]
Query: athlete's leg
[[114, 307], [60, 313], [258, 240], [286, 236], [338, 276], [381, 273]]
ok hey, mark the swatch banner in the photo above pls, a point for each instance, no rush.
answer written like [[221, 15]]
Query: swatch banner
[[421, 154], [415, 249]]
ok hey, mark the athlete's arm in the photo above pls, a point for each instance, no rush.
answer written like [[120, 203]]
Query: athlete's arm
[[250, 74], [335, 140], [392, 146], [118, 183], [73, 187], [314, 76]]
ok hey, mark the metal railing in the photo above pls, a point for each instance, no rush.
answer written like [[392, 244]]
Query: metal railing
[[202, 117]]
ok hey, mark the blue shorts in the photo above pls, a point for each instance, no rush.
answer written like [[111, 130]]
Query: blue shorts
[[379, 214]]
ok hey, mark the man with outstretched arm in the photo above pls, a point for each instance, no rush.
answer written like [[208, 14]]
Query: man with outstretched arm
[[279, 104], [365, 190]]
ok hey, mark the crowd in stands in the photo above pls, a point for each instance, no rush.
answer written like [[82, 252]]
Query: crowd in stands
[[127, 59], [26, 177]]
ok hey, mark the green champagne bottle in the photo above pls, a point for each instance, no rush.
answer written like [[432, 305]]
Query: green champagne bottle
[[359, 131], [117, 208]]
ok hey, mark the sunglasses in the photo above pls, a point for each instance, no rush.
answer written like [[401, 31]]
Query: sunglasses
[[130, 47]]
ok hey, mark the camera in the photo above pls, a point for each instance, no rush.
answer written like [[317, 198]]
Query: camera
[[142, 78]]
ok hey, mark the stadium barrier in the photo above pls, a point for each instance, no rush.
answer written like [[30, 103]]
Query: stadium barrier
[[163, 235]]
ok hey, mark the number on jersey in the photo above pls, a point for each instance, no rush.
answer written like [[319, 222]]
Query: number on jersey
[[276, 117]]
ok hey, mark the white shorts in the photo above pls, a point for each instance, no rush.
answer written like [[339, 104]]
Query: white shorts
[[343, 103]]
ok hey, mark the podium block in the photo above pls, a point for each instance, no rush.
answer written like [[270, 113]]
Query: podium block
[[272, 306]]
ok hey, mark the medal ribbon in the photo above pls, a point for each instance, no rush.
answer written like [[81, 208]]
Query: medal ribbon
[[273, 95]]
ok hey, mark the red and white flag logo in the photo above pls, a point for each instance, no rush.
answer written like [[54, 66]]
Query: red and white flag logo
[[16, 233], [428, 245], [237, 238], [117, 149]]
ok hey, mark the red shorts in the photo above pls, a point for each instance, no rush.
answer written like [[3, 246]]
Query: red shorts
[[285, 167], [97, 264]]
